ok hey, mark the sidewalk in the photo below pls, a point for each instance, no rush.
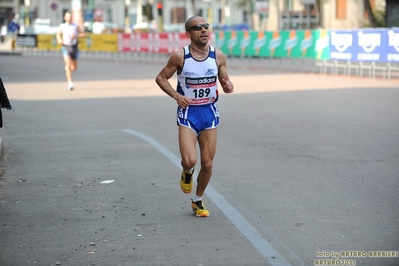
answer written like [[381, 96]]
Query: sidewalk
[[6, 48]]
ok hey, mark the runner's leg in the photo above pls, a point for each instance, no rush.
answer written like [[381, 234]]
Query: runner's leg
[[74, 65], [187, 142], [68, 62], [207, 143]]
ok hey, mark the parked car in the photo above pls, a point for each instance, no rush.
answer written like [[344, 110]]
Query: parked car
[[100, 27], [144, 27], [42, 26], [176, 27]]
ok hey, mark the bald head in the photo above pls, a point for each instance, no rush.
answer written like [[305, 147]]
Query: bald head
[[192, 21]]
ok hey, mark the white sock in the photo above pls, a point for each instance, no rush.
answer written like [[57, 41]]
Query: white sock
[[190, 171], [196, 198], [70, 84]]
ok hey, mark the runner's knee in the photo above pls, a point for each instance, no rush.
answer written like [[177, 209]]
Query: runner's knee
[[188, 163], [207, 164]]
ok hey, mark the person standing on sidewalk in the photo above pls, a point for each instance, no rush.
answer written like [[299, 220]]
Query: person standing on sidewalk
[[4, 102], [3, 33], [67, 35], [199, 66]]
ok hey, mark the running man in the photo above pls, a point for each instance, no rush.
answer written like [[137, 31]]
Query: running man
[[199, 66], [68, 35]]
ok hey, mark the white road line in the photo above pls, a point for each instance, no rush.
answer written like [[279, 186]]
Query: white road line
[[267, 251]]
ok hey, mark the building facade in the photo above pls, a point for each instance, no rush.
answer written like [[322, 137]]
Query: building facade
[[171, 14]]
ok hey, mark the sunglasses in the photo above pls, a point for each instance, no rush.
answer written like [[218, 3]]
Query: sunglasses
[[199, 27]]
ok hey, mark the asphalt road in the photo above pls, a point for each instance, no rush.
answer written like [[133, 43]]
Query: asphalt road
[[307, 167]]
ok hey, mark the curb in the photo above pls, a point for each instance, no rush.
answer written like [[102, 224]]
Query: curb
[[10, 53]]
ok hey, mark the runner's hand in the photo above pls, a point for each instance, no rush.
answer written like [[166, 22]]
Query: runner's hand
[[183, 101], [227, 86]]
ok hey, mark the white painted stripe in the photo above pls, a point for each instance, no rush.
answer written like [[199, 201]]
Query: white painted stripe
[[107, 181], [267, 251]]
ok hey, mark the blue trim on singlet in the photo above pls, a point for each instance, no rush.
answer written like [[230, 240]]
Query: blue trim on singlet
[[187, 56], [212, 54], [179, 89]]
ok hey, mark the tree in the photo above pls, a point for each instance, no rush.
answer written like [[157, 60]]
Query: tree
[[195, 12], [370, 14]]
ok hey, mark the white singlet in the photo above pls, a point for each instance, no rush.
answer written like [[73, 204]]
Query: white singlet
[[67, 31], [198, 79]]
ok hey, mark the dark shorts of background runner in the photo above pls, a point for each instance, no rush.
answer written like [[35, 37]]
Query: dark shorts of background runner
[[70, 50]]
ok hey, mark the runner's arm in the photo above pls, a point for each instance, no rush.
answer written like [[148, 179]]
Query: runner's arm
[[59, 35], [224, 79], [81, 31], [174, 64]]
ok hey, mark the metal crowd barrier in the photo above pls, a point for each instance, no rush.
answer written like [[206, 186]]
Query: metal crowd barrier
[[389, 70], [371, 69]]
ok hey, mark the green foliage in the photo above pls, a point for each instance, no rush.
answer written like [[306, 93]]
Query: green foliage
[[379, 16]]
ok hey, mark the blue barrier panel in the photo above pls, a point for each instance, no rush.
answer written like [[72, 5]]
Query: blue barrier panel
[[392, 54], [371, 45], [367, 45], [342, 44]]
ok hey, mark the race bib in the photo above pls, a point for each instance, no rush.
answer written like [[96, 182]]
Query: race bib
[[201, 90]]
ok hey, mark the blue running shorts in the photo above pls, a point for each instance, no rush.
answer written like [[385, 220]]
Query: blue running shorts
[[198, 117]]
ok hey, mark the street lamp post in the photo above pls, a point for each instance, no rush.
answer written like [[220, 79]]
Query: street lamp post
[[127, 18], [223, 12], [209, 13], [17, 7], [27, 6], [139, 18], [91, 10], [160, 15]]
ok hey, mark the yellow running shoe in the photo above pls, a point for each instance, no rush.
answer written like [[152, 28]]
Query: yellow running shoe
[[199, 209], [186, 181]]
